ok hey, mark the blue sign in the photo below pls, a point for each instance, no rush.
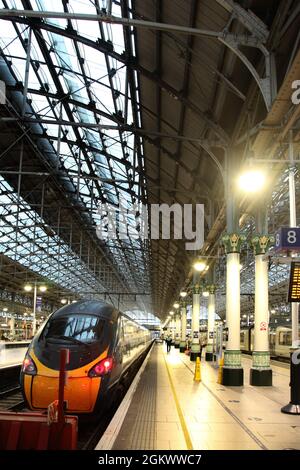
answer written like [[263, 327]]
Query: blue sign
[[39, 304], [287, 238]]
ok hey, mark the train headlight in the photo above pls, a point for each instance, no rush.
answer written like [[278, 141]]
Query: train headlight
[[102, 368], [28, 366]]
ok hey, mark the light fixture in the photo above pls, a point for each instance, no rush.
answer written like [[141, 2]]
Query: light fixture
[[43, 288], [252, 181], [205, 293], [273, 311], [5, 309], [74, 301], [171, 313], [28, 288], [176, 305], [183, 294], [199, 266], [63, 301]]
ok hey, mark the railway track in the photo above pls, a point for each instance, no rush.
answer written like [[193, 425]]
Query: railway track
[[12, 400]]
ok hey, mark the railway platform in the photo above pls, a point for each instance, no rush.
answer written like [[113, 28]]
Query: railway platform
[[12, 353], [166, 409]]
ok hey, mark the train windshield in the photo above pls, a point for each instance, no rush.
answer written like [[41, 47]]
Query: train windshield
[[81, 328]]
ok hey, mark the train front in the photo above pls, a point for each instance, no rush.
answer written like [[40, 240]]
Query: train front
[[85, 328]]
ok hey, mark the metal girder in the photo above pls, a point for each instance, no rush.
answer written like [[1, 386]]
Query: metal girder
[[107, 48], [230, 40], [266, 84], [247, 18]]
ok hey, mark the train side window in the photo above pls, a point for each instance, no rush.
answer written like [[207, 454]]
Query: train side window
[[285, 338]]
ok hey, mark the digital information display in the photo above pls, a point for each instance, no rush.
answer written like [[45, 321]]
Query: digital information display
[[294, 288]]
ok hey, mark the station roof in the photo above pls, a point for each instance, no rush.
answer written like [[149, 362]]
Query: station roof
[[126, 114]]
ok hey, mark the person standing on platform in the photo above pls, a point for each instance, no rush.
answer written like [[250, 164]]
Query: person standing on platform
[[169, 342]]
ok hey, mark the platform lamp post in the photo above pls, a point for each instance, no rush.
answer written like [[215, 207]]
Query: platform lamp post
[[28, 288]]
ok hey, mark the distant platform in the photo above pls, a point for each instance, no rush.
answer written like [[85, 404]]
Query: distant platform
[[12, 353], [166, 410]]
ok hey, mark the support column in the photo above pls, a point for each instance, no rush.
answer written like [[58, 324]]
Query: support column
[[177, 330], [261, 372], [233, 373], [195, 346], [209, 355], [182, 345]]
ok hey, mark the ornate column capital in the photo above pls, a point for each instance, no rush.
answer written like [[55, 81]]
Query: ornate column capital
[[261, 243], [212, 288], [197, 289], [233, 242]]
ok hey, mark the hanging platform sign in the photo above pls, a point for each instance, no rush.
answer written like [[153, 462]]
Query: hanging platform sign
[[294, 287], [287, 238]]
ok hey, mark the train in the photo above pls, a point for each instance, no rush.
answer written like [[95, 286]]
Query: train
[[280, 341], [103, 343]]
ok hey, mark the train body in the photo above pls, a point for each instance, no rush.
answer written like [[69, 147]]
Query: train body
[[280, 341], [103, 345]]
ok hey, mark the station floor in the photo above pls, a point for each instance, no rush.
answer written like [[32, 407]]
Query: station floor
[[168, 410]]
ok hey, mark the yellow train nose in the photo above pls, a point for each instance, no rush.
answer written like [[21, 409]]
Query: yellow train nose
[[80, 393]]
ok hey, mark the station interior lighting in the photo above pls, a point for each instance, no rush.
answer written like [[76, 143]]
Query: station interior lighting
[[28, 288], [183, 294], [63, 301], [200, 266], [43, 288], [205, 293], [5, 309], [252, 181], [176, 305], [171, 313]]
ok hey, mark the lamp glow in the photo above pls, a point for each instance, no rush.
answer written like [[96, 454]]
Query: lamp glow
[[28, 288], [176, 305], [200, 266], [205, 293], [252, 181], [63, 301], [43, 288], [183, 294]]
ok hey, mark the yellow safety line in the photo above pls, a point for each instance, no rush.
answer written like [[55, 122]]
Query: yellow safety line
[[185, 431]]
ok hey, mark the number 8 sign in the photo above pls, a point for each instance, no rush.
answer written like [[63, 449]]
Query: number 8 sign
[[287, 238]]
